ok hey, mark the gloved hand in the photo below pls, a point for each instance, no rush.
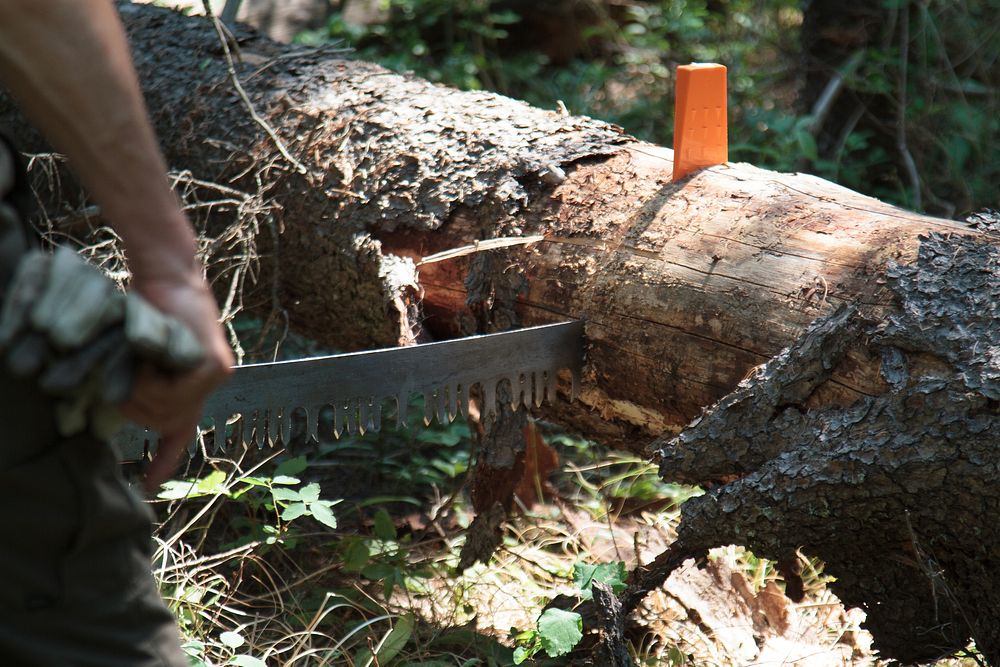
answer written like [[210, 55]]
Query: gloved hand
[[65, 324]]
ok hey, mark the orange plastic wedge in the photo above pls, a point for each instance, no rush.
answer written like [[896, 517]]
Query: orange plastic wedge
[[701, 137]]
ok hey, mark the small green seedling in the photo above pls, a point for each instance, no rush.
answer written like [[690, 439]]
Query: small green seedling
[[558, 631]]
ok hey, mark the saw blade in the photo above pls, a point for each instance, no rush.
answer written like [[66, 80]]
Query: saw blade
[[258, 404]]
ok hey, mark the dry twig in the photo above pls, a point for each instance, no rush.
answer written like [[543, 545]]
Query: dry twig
[[231, 68]]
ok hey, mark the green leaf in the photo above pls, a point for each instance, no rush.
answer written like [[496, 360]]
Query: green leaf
[[676, 656], [291, 467], [285, 479], [396, 640], [213, 482], [807, 143], [195, 651], [448, 436], [505, 17], [232, 639], [288, 495], [524, 636], [321, 512], [362, 657], [559, 631], [522, 653], [612, 574], [175, 489], [355, 555], [385, 529], [293, 511], [309, 492], [378, 571], [253, 481], [246, 661]]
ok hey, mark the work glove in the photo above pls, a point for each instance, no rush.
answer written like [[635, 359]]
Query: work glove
[[66, 325]]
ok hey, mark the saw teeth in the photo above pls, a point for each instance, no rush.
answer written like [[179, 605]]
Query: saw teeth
[[242, 432], [428, 407], [444, 404], [219, 431], [305, 392], [547, 381], [339, 416], [441, 408], [352, 417], [346, 418], [489, 400], [312, 422], [376, 415], [273, 424], [456, 395], [402, 408], [461, 400], [364, 416], [286, 424], [514, 387], [260, 428], [523, 390]]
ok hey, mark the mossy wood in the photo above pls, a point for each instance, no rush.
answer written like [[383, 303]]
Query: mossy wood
[[870, 441]]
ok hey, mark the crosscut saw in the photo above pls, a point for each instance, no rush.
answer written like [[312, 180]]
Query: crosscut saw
[[258, 404]]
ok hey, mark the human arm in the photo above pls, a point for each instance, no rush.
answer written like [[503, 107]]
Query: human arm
[[67, 62]]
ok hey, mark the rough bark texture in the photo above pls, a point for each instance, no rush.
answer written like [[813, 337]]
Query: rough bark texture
[[897, 493], [612, 650], [868, 442]]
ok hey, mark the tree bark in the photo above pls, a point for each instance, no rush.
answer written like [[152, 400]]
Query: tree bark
[[868, 441]]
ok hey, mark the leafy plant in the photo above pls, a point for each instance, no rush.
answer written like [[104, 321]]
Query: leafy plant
[[391, 644], [558, 631], [383, 557], [611, 574], [276, 494]]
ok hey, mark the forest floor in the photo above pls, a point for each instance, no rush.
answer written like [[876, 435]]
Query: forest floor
[[256, 581]]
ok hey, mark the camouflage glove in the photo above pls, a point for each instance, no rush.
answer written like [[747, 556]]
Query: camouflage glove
[[64, 323]]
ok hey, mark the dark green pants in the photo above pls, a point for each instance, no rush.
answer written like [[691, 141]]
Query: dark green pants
[[76, 588]]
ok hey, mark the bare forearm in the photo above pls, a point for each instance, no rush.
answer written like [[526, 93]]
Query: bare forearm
[[67, 62]]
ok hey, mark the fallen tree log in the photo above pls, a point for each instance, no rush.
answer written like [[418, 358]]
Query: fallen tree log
[[686, 287]]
